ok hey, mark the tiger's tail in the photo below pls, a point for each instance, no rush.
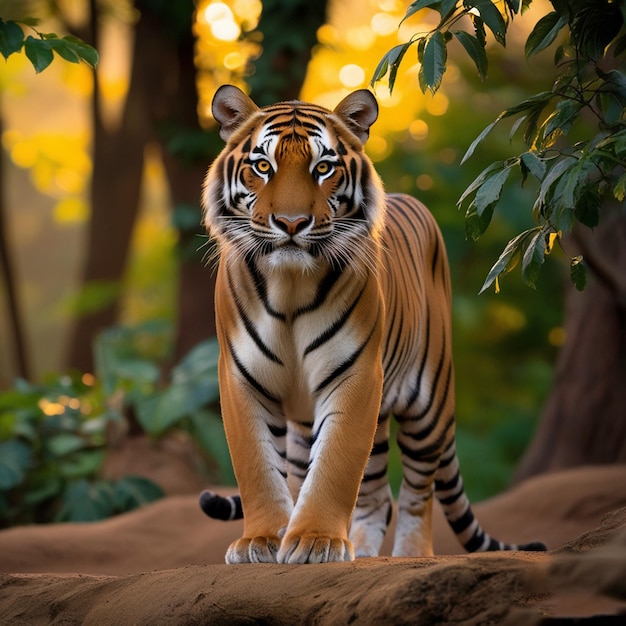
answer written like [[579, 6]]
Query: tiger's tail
[[225, 508], [450, 492]]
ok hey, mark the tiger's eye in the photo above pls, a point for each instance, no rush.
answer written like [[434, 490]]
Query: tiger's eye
[[323, 168], [263, 166]]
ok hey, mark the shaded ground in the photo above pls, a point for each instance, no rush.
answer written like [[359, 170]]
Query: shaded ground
[[164, 565]]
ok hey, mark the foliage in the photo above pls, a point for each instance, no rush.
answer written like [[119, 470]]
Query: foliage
[[53, 435], [130, 378], [575, 133], [52, 438], [40, 49]]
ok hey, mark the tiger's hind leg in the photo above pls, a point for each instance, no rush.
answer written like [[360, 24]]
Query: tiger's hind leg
[[420, 440], [372, 513]]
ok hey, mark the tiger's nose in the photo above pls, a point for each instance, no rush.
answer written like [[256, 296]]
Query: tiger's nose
[[292, 225]]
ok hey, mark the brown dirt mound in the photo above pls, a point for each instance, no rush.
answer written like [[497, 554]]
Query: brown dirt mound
[[96, 573]]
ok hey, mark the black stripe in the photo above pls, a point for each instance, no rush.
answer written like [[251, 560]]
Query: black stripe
[[323, 290], [250, 328], [332, 330], [347, 364], [277, 431], [261, 290], [303, 465], [381, 474], [463, 523], [380, 448], [249, 378]]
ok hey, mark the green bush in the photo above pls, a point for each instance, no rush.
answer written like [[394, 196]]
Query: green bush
[[53, 434]]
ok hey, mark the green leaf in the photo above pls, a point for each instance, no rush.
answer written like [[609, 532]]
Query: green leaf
[[64, 50], [84, 51], [418, 6], [83, 464], [11, 38], [433, 64], [480, 179], [15, 459], [208, 431], [513, 6], [39, 52], [491, 16], [562, 119], [587, 209], [578, 273], [544, 33], [478, 139], [510, 257], [63, 444], [132, 492], [390, 62], [86, 502], [489, 192], [475, 49], [476, 224], [534, 164], [533, 258], [619, 191], [554, 173]]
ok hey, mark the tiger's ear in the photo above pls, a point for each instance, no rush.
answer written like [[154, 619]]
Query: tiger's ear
[[231, 107], [359, 111]]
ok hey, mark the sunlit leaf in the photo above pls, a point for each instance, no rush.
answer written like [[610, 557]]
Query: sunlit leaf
[[544, 33], [578, 273], [619, 191], [11, 38], [491, 16], [562, 119], [433, 62], [475, 49]]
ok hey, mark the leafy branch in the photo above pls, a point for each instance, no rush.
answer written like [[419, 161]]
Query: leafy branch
[[574, 179], [40, 48]]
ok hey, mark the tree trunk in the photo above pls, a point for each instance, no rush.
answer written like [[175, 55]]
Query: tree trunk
[[115, 189], [15, 326], [583, 421]]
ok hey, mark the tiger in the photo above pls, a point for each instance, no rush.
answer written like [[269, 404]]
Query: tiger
[[333, 314]]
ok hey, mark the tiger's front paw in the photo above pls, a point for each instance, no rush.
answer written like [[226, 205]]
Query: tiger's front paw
[[307, 548], [253, 550]]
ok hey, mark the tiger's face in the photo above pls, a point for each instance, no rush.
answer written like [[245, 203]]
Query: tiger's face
[[293, 188]]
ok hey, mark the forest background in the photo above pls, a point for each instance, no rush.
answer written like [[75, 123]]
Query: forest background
[[100, 204]]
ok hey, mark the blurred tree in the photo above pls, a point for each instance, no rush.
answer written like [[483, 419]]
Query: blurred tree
[[161, 106], [576, 138], [40, 49]]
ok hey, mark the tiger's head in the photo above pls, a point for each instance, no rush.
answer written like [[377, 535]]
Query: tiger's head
[[293, 188]]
